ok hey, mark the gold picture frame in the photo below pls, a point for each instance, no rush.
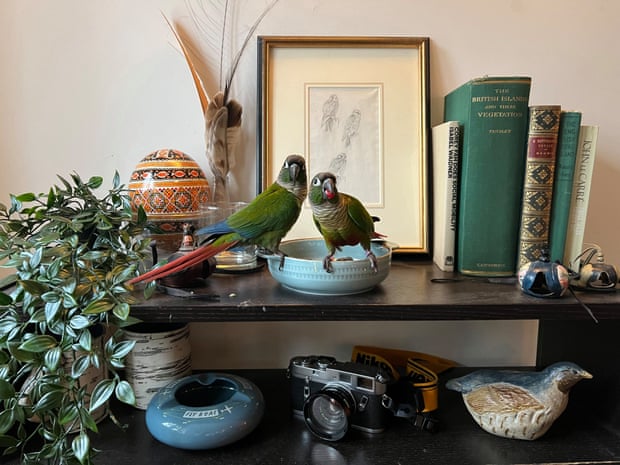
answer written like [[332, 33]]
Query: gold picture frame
[[358, 107]]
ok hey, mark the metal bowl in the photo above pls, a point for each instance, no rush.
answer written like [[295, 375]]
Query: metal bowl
[[303, 268]]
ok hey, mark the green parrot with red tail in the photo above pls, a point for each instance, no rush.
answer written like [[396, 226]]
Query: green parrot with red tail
[[263, 222], [341, 219]]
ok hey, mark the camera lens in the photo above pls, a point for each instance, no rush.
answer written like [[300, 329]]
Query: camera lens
[[327, 413]]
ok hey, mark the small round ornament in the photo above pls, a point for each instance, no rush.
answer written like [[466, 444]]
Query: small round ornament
[[171, 187], [542, 278]]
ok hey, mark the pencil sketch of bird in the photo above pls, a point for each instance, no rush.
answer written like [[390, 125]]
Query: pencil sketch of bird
[[518, 404], [338, 165], [351, 126], [330, 110]]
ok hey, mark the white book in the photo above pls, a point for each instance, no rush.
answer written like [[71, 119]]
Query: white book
[[580, 196], [446, 154]]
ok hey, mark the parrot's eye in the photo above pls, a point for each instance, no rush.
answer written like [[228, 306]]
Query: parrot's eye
[[316, 182]]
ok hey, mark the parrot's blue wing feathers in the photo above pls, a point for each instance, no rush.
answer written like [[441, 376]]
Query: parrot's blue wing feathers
[[216, 229]]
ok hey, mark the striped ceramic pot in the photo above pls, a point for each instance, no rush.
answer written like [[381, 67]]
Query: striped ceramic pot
[[162, 354]]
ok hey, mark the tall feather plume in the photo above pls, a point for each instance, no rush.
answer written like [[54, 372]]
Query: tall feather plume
[[213, 20], [202, 93]]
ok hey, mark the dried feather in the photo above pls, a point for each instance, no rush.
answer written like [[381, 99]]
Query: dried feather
[[234, 113], [213, 20], [248, 36], [202, 93], [222, 114], [217, 148]]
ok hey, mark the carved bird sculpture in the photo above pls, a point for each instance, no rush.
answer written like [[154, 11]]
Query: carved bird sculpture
[[518, 404]]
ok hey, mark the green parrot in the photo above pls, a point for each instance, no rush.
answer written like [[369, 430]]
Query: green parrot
[[263, 222], [340, 218]]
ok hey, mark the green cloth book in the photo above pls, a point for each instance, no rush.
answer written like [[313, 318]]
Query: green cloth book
[[570, 122], [493, 112]]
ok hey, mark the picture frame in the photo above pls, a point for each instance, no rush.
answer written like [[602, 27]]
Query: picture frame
[[359, 108]]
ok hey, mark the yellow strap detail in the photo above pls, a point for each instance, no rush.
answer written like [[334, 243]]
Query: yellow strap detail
[[420, 367]]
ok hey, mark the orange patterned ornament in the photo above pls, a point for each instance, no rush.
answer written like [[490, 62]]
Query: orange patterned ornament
[[171, 187]]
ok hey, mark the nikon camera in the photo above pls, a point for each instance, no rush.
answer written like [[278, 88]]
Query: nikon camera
[[335, 396]]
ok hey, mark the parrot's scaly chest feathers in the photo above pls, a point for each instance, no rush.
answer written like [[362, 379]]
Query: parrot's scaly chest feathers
[[331, 215]]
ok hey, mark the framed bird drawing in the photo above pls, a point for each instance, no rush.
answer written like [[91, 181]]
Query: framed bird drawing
[[356, 107]]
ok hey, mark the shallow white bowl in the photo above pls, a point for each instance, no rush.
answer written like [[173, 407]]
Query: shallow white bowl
[[303, 268]]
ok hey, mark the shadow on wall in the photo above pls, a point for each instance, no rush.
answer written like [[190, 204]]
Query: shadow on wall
[[272, 344]]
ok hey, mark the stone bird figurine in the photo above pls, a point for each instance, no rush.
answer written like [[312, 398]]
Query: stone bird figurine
[[518, 404]]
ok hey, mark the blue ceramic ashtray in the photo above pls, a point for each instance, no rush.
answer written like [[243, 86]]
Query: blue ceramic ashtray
[[205, 411], [352, 274]]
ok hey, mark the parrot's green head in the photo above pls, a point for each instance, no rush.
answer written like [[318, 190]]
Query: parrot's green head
[[323, 189], [293, 176]]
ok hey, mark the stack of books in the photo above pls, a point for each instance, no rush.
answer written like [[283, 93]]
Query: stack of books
[[511, 180]]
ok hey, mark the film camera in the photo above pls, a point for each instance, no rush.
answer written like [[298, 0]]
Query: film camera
[[335, 396]]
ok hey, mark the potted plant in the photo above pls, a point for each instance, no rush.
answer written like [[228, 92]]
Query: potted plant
[[70, 252]]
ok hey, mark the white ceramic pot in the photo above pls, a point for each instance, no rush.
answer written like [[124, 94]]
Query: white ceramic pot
[[162, 354]]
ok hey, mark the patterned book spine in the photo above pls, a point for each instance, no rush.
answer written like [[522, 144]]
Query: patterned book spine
[[542, 141], [580, 198], [570, 122]]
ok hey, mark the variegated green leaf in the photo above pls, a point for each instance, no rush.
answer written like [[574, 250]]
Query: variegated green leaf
[[98, 306], [79, 366], [7, 418], [49, 400], [101, 394], [124, 393], [39, 343], [121, 311], [81, 447], [52, 358], [122, 349], [6, 390]]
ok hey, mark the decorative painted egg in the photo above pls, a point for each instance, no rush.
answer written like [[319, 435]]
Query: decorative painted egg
[[171, 187]]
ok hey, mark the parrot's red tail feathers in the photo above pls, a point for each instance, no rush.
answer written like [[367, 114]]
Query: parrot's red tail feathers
[[376, 235], [186, 261]]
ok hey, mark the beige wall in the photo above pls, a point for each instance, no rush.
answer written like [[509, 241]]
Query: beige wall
[[94, 86]]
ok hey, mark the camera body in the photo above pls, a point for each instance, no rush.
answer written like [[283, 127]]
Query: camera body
[[334, 396]]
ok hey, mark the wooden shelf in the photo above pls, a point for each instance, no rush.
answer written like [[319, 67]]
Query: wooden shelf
[[407, 294], [576, 437], [587, 432]]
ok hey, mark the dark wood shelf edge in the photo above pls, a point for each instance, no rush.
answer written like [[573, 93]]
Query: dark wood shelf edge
[[408, 294]]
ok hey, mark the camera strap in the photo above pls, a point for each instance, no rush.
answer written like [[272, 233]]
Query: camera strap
[[416, 381]]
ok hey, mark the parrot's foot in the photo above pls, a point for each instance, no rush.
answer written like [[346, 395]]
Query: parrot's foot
[[282, 257], [373, 260], [327, 264]]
